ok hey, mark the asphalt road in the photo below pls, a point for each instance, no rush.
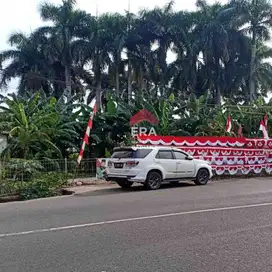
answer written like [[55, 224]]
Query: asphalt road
[[224, 226]]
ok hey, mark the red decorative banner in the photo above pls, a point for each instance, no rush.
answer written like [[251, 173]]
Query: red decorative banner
[[207, 141], [227, 155], [242, 169], [192, 141]]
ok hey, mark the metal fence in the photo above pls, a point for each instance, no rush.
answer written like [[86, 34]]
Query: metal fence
[[19, 169]]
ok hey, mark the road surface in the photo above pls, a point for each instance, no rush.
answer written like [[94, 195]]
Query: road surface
[[223, 226]]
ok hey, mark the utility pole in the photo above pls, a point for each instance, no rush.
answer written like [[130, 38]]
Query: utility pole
[[129, 61], [96, 10], [98, 89]]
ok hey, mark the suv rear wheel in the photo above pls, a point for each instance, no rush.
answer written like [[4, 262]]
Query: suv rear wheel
[[124, 183], [153, 180], [202, 177]]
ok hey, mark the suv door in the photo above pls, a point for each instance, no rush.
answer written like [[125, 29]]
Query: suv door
[[166, 159], [185, 168]]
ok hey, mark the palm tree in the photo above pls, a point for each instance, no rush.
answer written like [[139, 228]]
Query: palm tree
[[237, 70], [213, 43], [158, 28], [263, 69], [116, 26], [68, 24], [183, 70], [79, 52], [32, 58], [253, 17], [94, 50], [132, 40], [26, 61]]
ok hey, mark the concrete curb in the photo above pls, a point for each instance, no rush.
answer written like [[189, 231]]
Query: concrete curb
[[88, 190]]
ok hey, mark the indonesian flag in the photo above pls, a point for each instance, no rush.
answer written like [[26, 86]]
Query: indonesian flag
[[87, 134], [228, 125], [264, 129]]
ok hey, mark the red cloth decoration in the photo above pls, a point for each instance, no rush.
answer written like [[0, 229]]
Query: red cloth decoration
[[227, 155]]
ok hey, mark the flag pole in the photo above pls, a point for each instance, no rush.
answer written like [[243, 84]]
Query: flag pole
[[75, 172], [86, 137]]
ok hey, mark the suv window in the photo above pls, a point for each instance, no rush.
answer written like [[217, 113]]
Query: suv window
[[165, 154], [179, 155], [131, 154]]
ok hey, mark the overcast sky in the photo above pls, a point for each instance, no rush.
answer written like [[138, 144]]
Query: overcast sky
[[23, 14]]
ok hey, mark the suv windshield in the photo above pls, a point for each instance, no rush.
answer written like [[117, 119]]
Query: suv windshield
[[131, 154]]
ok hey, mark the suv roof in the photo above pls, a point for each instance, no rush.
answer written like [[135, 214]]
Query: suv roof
[[145, 147]]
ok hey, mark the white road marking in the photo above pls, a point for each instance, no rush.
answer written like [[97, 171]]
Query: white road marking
[[132, 219]]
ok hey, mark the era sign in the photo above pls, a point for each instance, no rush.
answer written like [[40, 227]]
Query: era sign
[[142, 131], [140, 116]]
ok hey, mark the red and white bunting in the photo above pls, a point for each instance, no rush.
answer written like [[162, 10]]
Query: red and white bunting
[[228, 125], [264, 129], [227, 155], [87, 134]]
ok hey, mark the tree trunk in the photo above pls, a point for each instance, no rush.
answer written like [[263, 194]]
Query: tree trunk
[[117, 77], [218, 96], [144, 85], [25, 152], [117, 83], [141, 83], [218, 83], [252, 68], [68, 82], [129, 81], [98, 89]]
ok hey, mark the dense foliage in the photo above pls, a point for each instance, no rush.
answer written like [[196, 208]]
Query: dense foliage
[[40, 127], [221, 59], [39, 186]]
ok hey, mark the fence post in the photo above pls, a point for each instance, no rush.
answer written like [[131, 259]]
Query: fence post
[[65, 165]]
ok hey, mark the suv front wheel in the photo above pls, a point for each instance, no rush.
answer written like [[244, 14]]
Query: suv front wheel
[[202, 177], [124, 183], [153, 180]]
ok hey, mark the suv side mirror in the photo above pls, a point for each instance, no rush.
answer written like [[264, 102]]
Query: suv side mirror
[[189, 158]]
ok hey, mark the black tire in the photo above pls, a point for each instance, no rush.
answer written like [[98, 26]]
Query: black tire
[[202, 177], [125, 184], [153, 180]]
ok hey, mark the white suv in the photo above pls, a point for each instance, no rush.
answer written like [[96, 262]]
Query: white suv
[[155, 165]]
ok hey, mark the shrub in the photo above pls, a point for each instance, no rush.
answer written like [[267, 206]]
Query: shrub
[[43, 185], [20, 169]]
